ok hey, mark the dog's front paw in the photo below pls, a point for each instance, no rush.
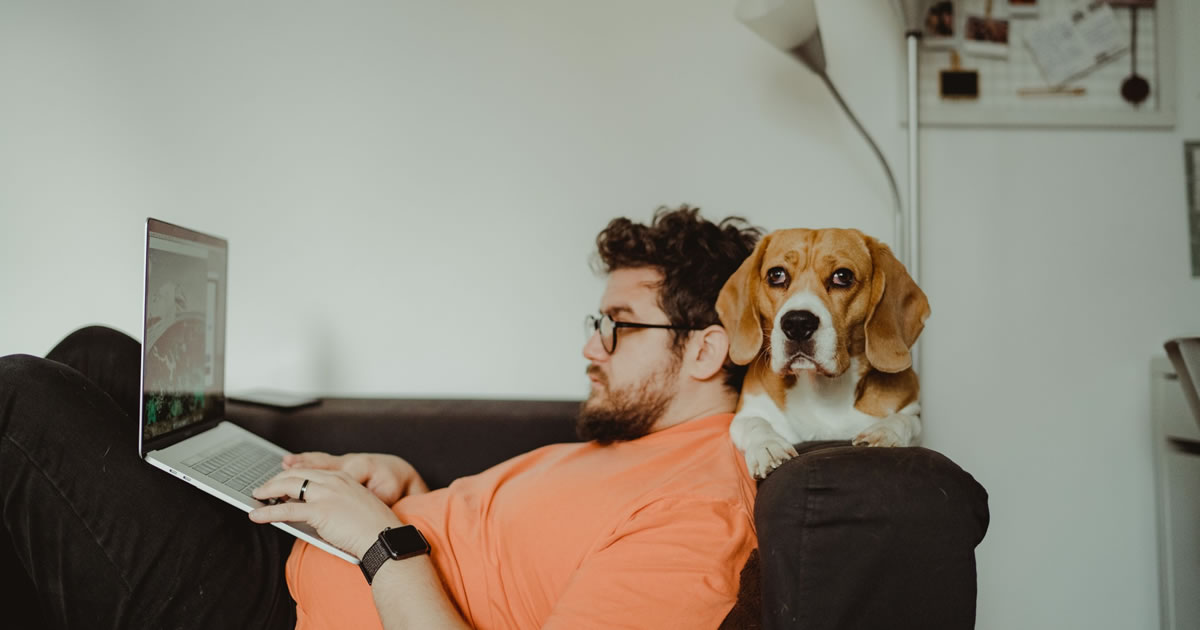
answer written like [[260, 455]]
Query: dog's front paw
[[880, 434], [766, 455]]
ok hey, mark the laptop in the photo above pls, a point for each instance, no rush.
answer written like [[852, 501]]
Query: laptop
[[182, 410]]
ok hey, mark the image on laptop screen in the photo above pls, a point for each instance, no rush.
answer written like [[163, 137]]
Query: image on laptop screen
[[184, 334]]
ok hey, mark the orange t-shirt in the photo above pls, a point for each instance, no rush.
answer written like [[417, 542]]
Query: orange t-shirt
[[649, 533]]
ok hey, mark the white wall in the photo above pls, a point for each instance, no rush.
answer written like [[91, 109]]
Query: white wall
[[411, 190]]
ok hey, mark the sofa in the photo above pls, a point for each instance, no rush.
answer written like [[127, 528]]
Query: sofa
[[849, 537]]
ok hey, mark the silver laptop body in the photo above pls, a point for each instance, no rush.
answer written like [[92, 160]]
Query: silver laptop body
[[182, 410]]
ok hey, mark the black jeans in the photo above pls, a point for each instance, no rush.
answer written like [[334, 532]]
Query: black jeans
[[98, 538]]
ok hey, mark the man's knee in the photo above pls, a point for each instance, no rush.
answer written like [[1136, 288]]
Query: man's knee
[[92, 341], [18, 371], [27, 381], [47, 405], [108, 358]]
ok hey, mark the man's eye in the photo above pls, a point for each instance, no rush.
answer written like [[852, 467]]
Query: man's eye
[[777, 277], [842, 278]]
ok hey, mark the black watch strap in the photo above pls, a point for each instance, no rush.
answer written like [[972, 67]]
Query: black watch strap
[[394, 543], [373, 559]]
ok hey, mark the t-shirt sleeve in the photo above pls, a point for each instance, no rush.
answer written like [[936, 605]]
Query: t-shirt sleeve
[[674, 564]]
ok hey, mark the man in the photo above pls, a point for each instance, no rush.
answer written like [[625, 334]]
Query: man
[[647, 524]]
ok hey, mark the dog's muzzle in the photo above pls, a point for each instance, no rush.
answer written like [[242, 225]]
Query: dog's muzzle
[[799, 349]]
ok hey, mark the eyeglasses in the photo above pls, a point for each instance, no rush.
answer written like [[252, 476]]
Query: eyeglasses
[[608, 329]]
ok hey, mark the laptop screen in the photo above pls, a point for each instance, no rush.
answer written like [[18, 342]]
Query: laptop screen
[[183, 341]]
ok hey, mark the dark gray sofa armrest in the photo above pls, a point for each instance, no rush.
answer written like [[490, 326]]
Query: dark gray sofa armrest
[[857, 537], [444, 439]]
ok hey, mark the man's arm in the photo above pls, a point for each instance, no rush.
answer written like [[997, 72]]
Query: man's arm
[[408, 593]]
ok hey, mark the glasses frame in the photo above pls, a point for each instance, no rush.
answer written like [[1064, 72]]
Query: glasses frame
[[592, 324]]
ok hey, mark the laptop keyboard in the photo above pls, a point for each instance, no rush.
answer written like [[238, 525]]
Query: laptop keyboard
[[243, 466]]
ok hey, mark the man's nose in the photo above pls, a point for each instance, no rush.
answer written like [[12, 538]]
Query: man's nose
[[593, 350]]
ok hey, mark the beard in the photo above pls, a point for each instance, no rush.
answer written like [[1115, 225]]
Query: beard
[[628, 413]]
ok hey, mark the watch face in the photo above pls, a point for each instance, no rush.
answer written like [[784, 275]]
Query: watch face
[[403, 542]]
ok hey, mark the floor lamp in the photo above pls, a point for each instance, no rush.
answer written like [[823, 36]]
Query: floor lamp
[[791, 26], [913, 12]]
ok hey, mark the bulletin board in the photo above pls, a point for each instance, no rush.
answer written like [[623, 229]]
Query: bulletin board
[[1091, 100]]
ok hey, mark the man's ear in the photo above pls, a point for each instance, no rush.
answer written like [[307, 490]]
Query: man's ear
[[736, 306], [707, 351]]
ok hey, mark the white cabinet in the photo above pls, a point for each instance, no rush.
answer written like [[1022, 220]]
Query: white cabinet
[[1177, 472]]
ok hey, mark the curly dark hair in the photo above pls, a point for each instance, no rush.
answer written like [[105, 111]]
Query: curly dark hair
[[695, 257]]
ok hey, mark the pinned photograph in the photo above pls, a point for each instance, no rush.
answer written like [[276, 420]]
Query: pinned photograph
[[940, 26], [1023, 8], [986, 30]]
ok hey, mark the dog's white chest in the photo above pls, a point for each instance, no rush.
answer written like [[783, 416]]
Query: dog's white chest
[[815, 408]]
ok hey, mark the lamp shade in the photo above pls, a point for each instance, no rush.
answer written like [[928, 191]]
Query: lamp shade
[[789, 25], [913, 12]]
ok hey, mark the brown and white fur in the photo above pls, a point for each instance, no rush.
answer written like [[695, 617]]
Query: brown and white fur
[[828, 359]]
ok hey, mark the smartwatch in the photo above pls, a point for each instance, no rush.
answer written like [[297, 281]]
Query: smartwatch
[[395, 543]]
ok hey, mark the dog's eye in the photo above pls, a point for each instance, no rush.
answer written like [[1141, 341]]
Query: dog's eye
[[777, 277], [842, 278]]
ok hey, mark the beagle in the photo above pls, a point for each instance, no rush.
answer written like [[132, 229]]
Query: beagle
[[825, 319]]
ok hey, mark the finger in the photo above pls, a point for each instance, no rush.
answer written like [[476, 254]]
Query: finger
[[279, 489], [357, 466], [310, 473], [289, 482], [273, 482], [287, 512], [312, 459], [387, 490], [381, 483]]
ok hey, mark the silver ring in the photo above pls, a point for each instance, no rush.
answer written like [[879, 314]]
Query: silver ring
[[303, 487]]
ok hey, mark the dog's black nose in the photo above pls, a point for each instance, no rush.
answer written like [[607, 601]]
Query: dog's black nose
[[799, 325]]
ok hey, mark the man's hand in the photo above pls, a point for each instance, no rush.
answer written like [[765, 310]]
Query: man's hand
[[340, 508], [389, 477], [344, 512]]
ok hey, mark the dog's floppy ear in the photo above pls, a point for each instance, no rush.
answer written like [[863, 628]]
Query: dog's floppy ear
[[738, 310], [898, 311]]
